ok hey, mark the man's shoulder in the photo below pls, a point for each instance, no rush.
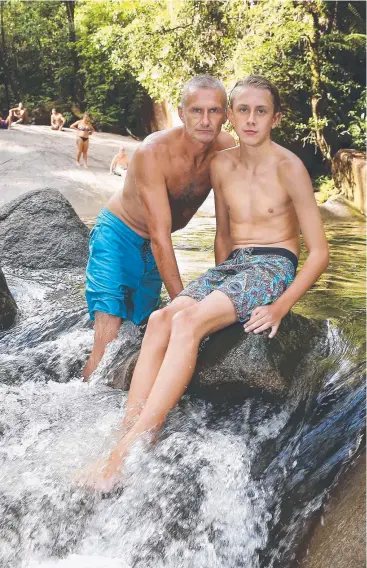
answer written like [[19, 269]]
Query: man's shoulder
[[163, 139], [224, 141]]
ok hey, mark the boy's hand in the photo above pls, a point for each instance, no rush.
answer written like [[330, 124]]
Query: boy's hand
[[264, 317]]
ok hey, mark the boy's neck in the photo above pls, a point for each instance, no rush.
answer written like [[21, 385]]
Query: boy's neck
[[253, 156]]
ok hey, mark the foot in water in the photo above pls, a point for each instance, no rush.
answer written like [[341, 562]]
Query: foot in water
[[103, 476]]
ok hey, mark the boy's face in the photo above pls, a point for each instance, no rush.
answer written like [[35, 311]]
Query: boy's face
[[203, 114], [253, 115]]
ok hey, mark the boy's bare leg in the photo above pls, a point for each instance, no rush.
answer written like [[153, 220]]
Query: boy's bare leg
[[188, 327], [105, 330], [151, 356], [85, 152]]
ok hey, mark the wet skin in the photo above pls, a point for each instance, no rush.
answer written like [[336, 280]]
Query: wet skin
[[173, 166]]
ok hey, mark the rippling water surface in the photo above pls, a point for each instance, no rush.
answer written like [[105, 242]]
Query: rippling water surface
[[225, 486]]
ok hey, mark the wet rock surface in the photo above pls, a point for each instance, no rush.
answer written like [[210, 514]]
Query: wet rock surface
[[8, 306], [40, 229], [340, 540], [231, 362]]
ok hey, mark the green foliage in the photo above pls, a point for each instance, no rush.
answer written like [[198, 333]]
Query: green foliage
[[325, 188], [125, 50], [36, 52], [357, 124]]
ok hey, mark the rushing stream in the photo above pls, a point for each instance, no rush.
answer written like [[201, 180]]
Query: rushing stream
[[224, 487]]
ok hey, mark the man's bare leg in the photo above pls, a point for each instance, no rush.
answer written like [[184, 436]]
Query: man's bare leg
[[105, 330], [151, 356], [188, 327]]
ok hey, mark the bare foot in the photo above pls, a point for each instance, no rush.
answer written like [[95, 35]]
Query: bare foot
[[77, 164], [89, 368], [85, 165], [103, 475]]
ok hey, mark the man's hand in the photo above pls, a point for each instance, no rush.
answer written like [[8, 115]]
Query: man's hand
[[264, 317]]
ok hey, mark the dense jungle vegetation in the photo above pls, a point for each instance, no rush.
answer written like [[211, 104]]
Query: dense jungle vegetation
[[113, 58]]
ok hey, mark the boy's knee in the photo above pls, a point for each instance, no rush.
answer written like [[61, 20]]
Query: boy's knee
[[158, 320], [184, 325]]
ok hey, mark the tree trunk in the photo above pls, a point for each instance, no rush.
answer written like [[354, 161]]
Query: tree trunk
[[4, 58], [317, 90], [161, 118], [76, 87]]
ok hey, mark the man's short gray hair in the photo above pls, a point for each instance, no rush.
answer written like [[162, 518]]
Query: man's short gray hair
[[202, 82]]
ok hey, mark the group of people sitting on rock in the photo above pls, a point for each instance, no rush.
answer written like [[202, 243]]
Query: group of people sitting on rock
[[84, 130]]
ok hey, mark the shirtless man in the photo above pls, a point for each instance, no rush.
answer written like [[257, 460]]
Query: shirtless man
[[131, 250], [18, 114], [57, 120], [5, 123], [263, 197], [119, 163]]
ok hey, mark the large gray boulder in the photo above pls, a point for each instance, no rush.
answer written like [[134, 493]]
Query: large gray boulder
[[231, 362], [39, 230], [8, 307]]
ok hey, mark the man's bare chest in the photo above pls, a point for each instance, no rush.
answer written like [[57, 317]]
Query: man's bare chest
[[188, 188]]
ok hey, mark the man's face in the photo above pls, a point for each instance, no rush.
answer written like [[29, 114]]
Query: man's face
[[203, 114], [253, 115], [53, 111]]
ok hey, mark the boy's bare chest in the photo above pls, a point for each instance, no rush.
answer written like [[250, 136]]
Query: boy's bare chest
[[251, 199]]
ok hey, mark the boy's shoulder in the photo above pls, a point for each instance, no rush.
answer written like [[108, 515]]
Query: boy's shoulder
[[226, 158], [291, 171], [287, 161]]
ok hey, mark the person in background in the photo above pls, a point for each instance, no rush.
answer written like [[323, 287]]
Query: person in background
[[84, 130], [18, 114], [57, 120], [5, 123], [119, 163]]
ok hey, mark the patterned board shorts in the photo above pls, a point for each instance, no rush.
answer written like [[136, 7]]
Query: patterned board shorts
[[250, 277]]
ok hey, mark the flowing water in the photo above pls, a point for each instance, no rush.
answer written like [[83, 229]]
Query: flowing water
[[226, 486]]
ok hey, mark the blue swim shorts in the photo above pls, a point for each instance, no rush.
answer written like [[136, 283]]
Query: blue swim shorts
[[250, 277], [122, 276]]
